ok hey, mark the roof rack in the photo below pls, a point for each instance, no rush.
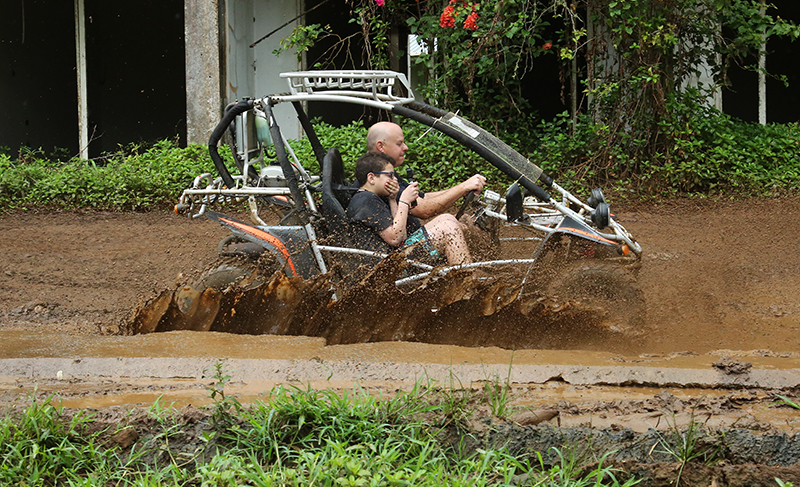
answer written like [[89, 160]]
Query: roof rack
[[386, 86]]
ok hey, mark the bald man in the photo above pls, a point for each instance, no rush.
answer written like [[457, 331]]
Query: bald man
[[387, 137]]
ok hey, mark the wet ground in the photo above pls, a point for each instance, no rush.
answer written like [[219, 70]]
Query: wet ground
[[720, 325]]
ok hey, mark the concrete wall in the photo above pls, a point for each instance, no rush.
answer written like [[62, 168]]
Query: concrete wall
[[204, 102]]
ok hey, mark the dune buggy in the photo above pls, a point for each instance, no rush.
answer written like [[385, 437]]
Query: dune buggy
[[556, 233]]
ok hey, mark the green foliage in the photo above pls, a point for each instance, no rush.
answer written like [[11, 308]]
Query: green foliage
[[134, 179], [688, 445], [569, 472], [481, 72], [224, 404], [437, 160], [785, 401], [645, 128], [41, 446], [296, 437], [351, 140], [662, 47], [498, 394], [302, 38], [710, 154]]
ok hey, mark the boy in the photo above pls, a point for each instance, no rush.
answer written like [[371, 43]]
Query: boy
[[385, 216]]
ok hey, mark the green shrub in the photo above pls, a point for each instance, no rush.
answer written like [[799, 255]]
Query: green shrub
[[710, 154], [133, 179], [437, 160]]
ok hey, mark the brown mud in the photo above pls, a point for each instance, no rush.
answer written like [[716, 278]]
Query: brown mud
[[720, 323]]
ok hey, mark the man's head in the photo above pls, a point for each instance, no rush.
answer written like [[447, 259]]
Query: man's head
[[387, 137], [374, 170]]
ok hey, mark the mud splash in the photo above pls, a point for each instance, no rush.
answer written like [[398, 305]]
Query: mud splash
[[588, 306]]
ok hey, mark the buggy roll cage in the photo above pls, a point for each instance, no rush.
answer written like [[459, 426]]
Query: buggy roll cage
[[389, 91]]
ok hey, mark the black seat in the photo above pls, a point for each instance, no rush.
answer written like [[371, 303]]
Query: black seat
[[336, 192]]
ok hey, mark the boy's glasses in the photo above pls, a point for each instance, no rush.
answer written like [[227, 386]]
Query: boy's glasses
[[391, 174]]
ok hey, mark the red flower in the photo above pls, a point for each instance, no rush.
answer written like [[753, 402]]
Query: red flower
[[547, 46], [380, 3], [447, 19], [472, 21]]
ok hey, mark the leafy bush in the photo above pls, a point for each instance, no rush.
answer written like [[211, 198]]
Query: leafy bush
[[437, 160], [711, 154], [134, 179]]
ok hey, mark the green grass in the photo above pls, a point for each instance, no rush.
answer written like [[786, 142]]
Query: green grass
[[295, 436]]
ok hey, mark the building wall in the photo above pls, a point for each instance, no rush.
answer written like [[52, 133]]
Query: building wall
[[254, 72]]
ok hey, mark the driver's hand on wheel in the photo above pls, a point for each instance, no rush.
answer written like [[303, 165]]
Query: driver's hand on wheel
[[410, 194], [475, 183]]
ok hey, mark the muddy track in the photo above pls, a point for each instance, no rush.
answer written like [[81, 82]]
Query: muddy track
[[714, 276], [721, 299]]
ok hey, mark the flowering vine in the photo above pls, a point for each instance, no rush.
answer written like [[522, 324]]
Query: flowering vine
[[453, 10]]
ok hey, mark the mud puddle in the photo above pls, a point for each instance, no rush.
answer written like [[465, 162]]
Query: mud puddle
[[588, 305]]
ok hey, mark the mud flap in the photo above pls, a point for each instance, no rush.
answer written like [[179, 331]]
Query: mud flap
[[289, 244], [572, 226]]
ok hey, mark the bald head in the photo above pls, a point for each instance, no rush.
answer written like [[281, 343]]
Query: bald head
[[387, 137]]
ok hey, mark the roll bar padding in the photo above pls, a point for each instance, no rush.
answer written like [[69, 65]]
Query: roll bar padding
[[217, 134], [479, 149]]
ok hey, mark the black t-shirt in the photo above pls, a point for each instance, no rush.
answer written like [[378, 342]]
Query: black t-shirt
[[373, 213]]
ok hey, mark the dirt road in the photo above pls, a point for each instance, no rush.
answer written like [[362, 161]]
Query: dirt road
[[721, 333], [715, 276]]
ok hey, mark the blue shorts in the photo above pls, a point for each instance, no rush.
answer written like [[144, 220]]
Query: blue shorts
[[421, 236]]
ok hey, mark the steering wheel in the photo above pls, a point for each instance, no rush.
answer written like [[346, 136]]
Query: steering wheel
[[468, 199]]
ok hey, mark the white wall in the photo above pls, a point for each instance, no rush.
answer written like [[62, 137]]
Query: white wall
[[254, 72]]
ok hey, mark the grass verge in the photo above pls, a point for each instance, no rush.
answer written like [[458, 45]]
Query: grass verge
[[295, 436]]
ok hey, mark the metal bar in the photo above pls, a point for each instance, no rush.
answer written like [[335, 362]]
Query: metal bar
[[239, 191], [312, 238], [369, 253], [315, 97], [445, 270]]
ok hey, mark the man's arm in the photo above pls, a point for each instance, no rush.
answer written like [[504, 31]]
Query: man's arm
[[438, 202]]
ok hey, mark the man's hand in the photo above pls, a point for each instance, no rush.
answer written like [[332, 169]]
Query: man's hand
[[475, 183], [410, 194]]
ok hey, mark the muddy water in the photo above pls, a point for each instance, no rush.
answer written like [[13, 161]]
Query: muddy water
[[590, 305]]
